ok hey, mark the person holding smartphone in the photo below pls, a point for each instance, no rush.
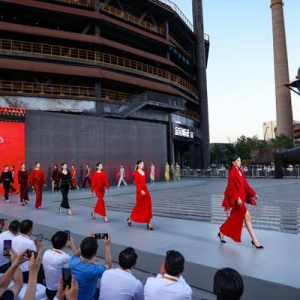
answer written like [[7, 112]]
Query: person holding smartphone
[[99, 183], [8, 235], [64, 178], [6, 180]]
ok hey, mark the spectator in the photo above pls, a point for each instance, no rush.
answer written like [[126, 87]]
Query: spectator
[[85, 271], [228, 284], [22, 242], [3, 225], [55, 259], [119, 283], [9, 234], [14, 272], [169, 283]]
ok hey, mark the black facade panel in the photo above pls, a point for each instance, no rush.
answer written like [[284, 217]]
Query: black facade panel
[[53, 138]]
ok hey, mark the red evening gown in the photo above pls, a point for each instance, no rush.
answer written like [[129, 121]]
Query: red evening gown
[[237, 187], [37, 179], [99, 182], [142, 211]]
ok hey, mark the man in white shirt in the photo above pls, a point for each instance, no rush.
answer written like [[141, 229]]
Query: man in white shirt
[[120, 284], [22, 242], [169, 283], [55, 259], [9, 234]]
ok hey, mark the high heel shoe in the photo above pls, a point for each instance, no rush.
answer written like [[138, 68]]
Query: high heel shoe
[[257, 247], [129, 222], [105, 220], [219, 236], [93, 215], [149, 227], [60, 209], [69, 212]]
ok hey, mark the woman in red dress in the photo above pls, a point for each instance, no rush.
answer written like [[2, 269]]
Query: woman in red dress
[[36, 180], [87, 176], [237, 194], [23, 179], [142, 211], [99, 183], [12, 189], [73, 178]]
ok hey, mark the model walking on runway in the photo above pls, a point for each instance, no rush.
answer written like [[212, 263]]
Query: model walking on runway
[[12, 189], [64, 177], [73, 178], [122, 175], [36, 180], [152, 173], [99, 183], [237, 194], [87, 176], [6, 180], [142, 211], [23, 183], [54, 179]]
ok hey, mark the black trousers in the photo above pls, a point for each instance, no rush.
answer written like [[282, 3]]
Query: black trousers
[[64, 188], [6, 186]]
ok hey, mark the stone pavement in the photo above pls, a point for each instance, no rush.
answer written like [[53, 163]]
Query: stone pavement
[[189, 199]]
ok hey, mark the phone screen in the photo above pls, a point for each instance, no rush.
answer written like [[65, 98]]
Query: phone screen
[[39, 238], [68, 233], [6, 248], [101, 236], [67, 277]]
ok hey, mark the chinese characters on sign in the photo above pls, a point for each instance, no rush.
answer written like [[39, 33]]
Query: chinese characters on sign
[[183, 132]]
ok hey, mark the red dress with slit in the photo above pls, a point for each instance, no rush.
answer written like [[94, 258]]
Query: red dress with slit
[[99, 183], [237, 187], [142, 211]]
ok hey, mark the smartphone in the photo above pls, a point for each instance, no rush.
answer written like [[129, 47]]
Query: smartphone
[[39, 238], [68, 232], [29, 253], [101, 236], [67, 277], [6, 248]]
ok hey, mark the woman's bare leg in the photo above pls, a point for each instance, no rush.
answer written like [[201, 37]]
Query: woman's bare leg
[[249, 228]]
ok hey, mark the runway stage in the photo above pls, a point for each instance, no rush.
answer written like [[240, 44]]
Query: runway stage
[[271, 273]]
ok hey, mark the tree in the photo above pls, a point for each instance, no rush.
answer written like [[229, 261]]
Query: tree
[[282, 142]]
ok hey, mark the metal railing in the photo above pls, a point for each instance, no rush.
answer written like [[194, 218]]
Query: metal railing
[[33, 88], [30, 48]]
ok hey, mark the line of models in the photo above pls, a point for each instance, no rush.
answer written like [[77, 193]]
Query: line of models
[[237, 193]]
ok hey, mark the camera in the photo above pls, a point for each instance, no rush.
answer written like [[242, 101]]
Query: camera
[[68, 233], [101, 236]]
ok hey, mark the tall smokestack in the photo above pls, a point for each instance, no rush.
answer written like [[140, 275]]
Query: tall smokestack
[[202, 82], [284, 114]]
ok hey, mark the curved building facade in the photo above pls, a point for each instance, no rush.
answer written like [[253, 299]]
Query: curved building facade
[[112, 80]]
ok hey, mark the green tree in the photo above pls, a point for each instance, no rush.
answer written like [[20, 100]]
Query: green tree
[[282, 142]]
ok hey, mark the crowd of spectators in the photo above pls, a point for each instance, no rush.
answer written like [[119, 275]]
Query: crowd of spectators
[[76, 276]]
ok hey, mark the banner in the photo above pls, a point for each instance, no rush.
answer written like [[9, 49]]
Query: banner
[[12, 147]]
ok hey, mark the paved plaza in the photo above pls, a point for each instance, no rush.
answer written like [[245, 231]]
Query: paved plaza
[[190, 207]]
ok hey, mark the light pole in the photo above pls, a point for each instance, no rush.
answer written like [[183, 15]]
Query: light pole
[[229, 140]]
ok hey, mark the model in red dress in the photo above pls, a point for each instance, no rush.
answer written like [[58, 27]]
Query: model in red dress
[[99, 183], [87, 176], [23, 183], [12, 189], [36, 180], [73, 178], [237, 194], [142, 211]]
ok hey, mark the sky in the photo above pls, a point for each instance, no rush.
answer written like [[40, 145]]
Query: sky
[[240, 71]]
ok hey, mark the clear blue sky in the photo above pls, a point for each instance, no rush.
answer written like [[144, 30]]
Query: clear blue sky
[[240, 73]]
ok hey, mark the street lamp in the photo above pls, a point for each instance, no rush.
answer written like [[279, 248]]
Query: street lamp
[[229, 140]]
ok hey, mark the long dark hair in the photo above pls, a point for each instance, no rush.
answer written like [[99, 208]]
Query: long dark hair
[[233, 158]]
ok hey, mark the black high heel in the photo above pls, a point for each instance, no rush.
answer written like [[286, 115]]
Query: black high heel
[[129, 222], [257, 247], [219, 236], [149, 227]]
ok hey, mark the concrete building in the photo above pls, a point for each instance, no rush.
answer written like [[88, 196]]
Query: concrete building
[[113, 81]]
